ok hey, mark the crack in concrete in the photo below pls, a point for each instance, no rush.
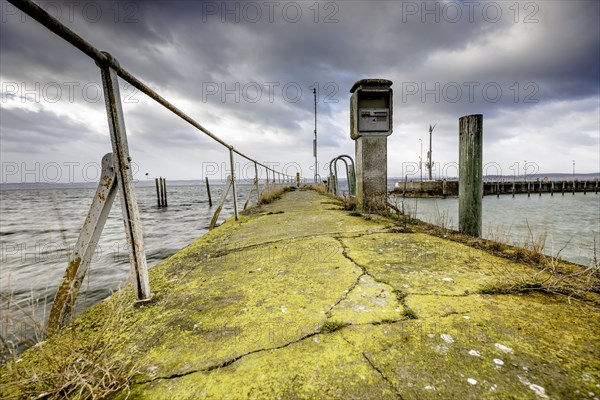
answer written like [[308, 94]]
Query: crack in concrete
[[345, 295], [379, 371], [228, 362], [239, 357], [356, 281], [383, 376]]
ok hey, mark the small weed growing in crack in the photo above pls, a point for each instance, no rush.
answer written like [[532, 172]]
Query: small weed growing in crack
[[409, 313], [400, 295], [332, 326]]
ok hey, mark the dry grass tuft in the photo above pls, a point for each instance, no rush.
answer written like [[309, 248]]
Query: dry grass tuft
[[74, 365], [270, 195]]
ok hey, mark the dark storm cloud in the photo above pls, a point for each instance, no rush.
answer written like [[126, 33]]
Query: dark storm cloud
[[27, 131]]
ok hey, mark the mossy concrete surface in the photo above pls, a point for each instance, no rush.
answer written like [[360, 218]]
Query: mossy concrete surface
[[299, 299]]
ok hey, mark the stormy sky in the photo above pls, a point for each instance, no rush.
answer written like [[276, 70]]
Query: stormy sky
[[246, 71]]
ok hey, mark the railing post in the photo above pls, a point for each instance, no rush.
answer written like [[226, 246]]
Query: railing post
[[267, 179], [235, 210], [122, 160]]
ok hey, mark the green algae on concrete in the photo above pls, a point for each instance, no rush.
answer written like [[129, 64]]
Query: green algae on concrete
[[247, 312]]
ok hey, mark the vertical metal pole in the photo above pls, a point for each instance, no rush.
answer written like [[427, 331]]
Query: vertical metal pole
[[235, 210], [122, 160], [470, 187], [315, 142], [208, 191]]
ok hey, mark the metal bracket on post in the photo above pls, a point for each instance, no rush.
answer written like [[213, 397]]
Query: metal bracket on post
[[63, 306], [122, 160]]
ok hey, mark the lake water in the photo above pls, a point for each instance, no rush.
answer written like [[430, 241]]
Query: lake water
[[40, 225]]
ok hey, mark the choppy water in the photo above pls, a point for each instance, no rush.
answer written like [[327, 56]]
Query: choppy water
[[39, 226], [570, 223]]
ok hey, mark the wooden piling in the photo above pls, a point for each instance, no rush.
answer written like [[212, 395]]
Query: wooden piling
[[161, 192], [444, 188], [596, 185], [208, 191], [470, 187], [528, 189], [552, 189], [497, 189], [584, 187], [157, 193], [563, 188], [513, 189], [164, 190], [540, 187]]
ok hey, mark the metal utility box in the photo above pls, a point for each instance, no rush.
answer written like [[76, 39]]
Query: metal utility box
[[373, 120], [371, 108]]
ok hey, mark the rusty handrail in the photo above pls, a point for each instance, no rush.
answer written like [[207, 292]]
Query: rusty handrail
[[101, 58]]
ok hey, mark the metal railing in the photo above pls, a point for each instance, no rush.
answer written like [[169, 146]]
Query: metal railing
[[117, 175], [332, 182]]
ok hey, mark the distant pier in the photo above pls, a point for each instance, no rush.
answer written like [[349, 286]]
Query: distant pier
[[449, 188]]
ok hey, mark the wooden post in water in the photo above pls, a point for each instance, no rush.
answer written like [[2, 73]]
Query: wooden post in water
[[574, 185], [161, 192], [470, 186], [208, 191], [157, 193], [444, 188], [497, 189], [552, 188], [584, 187], [563, 188], [540, 188], [164, 185], [596, 185], [513, 189]]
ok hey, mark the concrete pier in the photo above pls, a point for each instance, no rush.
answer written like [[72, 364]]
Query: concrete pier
[[300, 299]]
